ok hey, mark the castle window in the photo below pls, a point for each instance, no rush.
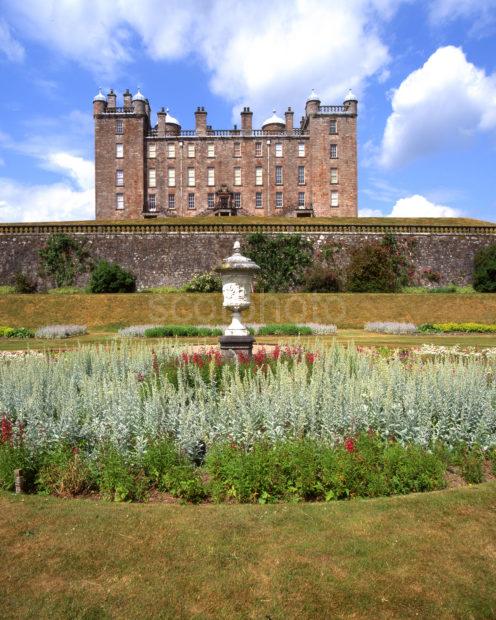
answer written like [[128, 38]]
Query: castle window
[[119, 151], [333, 126], [258, 175], [152, 202], [119, 126], [152, 150], [119, 178], [119, 201], [278, 175], [191, 150], [237, 176], [237, 200], [210, 201], [191, 201], [279, 200], [171, 201], [210, 150], [152, 177], [171, 150], [278, 149], [334, 151], [301, 175], [334, 175], [301, 199], [334, 199], [210, 177], [301, 150], [237, 149], [171, 177], [258, 200], [258, 149], [191, 177]]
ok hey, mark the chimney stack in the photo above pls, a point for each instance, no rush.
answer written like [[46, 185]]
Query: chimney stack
[[128, 99], [111, 99], [201, 121], [161, 122], [246, 121], [289, 114]]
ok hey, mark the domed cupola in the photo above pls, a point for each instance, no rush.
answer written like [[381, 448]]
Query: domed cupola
[[100, 96], [172, 125], [313, 96], [274, 123], [139, 96], [350, 96]]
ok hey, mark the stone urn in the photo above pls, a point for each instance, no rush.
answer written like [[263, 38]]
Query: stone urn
[[237, 273]]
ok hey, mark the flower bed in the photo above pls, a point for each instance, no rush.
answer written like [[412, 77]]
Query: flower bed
[[111, 405]]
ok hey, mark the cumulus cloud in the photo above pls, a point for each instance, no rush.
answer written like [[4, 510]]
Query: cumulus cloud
[[12, 49], [439, 106], [419, 206], [257, 53]]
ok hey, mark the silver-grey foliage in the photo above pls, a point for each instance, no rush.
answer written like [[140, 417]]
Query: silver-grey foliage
[[61, 331], [98, 395], [390, 327]]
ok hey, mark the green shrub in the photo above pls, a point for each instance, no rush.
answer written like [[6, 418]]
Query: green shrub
[[13, 457], [111, 278], [485, 270], [377, 267], [16, 332], [366, 466], [203, 283], [7, 289], [468, 328], [284, 329], [471, 461], [24, 284], [171, 471], [118, 478], [65, 472], [182, 331], [321, 279], [282, 260], [62, 259]]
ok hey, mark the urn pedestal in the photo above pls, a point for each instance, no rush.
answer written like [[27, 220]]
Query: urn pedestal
[[237, 273]]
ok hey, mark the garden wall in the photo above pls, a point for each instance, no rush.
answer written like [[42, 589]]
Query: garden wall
[[170, 253]]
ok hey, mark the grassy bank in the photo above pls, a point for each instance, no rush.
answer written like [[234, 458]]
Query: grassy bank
[[346, 310], [431, 555]]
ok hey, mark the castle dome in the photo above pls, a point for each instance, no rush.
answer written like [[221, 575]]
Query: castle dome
[[170, 120], [139, 96], [273, 120], [100, 96], [313, 96], [350, 96]]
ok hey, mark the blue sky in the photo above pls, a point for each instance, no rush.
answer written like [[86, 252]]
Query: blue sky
[[424, 73]]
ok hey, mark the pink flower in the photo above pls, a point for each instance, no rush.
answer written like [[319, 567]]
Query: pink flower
[[350, 444]]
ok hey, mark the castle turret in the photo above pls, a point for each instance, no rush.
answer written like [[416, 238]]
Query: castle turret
[[289, 115], [351, 102], [99, 103], [274, 123], [246, 120], [313, 104], [172, 125], [201, 121], [139, 103]]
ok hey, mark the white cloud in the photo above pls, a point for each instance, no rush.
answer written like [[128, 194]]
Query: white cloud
[[256, 53], [419, 206], [370, 213], [8, 45], [482, 12], [441, 105]]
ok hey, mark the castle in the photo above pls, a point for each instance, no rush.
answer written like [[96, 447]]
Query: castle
[[146, 171]]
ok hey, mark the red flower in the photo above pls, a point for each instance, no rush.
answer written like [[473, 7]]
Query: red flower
[[350, 444], [6, 430], [311, 357], [276, 353]]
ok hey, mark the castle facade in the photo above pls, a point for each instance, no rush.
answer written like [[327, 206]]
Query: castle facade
[[148, 171]]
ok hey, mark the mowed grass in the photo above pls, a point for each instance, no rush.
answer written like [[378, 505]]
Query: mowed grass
[[344, 336], [429, 555], [346, 310]]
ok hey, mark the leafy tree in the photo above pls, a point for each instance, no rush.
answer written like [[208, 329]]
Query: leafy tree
[[63, 258], [282, 260], [111, 278], [485, 270]]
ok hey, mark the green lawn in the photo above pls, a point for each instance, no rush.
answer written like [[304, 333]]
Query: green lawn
[[430, 555], [346, 336]]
